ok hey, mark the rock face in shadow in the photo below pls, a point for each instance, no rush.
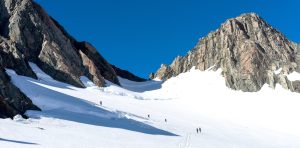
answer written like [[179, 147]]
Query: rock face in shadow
[[12, 58], [12, 100], [127, 75], [43, 41], [247, 49], [27, 33]]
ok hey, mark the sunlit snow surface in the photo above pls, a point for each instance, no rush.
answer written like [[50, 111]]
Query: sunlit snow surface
[[72, 117], [294, 76]]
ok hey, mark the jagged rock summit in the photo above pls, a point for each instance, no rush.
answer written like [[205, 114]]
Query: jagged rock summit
[[38, 38], [28, 34], [248, 50]]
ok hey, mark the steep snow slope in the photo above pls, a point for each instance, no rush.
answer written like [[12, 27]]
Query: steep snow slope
[[72, 117]]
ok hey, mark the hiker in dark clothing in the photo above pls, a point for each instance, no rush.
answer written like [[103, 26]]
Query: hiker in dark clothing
[[101, 103], [197, 130], [148, 116], [166, 120]]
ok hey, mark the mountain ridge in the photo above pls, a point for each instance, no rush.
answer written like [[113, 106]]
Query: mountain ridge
[[247, 49], [29, 34]]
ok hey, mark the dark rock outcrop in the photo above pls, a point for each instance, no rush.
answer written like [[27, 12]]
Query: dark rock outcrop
[[40, 39], [11, 58], [27, 33], [247, 49], [97, 67], [12, 100], [127, 75]]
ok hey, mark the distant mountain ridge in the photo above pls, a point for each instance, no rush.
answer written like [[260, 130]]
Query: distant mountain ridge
[[27, 33], [248, 50]]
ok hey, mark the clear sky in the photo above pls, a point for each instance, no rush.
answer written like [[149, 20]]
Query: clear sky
[[139, 35]]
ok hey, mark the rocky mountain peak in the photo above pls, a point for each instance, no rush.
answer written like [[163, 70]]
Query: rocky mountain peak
[[247, 49], [29, 34]]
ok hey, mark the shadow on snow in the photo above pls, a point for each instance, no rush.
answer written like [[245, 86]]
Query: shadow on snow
[[16, 141], [140, 86], [70, 108]]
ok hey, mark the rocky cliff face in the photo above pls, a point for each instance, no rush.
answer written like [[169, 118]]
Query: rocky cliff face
[[12, 100], [127, 75], [43, 41], [247, 49], [27, 33]]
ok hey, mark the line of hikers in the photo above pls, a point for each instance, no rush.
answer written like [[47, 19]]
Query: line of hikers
[[198, 130], [148, 114]]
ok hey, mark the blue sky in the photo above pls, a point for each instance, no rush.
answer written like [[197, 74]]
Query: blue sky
[[139, 35]]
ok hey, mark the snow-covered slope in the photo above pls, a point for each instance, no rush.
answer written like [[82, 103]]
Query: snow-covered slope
[[73, 117]]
